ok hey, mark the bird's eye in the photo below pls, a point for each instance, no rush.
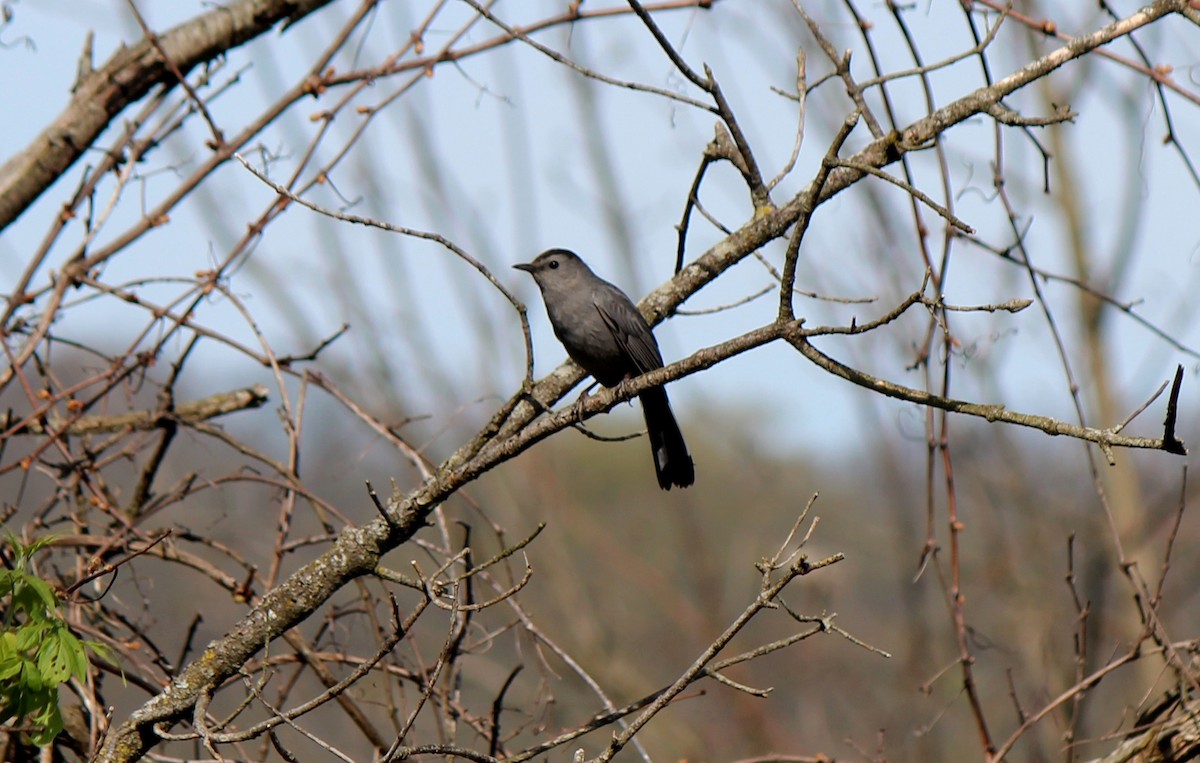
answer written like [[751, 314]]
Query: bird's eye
[[554, 264]]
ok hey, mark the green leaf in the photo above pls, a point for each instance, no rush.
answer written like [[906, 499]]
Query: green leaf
[[103, 651], [10, 666], [38, 651], [50, 722], [35, 591], [30, 679], [24, 553], [62, 656], [30, 635], [54, 659], [8, 647]]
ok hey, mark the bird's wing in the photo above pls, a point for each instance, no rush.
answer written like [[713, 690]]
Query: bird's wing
[[629, 328]]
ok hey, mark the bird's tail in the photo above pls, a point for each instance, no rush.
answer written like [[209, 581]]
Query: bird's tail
[[672, 462]]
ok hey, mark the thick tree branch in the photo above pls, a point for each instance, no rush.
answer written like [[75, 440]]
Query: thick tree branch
[[191, 412], [99, 96]]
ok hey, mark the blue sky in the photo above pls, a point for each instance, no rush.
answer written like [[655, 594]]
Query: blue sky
[[521, 169]]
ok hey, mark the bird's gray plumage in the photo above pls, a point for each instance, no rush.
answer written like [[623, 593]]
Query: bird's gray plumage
[[603, 331]]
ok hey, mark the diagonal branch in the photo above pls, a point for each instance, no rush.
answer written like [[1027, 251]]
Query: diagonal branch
[[191, 412], [1105, 438], [99, 96]]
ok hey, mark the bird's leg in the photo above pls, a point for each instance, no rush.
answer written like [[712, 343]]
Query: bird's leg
[[624, 385], [577, 406]]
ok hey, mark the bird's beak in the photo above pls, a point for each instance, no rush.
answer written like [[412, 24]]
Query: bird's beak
[[526, 266]]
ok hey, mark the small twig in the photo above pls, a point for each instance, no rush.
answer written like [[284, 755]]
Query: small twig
[[218, 136], [774, 562], [506, 553], [910, 189], [801, 98], [113, 566], [515, 33], [764, 291], [497, 707], [1009, 306], [787, 280], [693, 200], [991, 412], [723, 679], [764, 601], [1171, 538], [1137, 411], [1007, 116]]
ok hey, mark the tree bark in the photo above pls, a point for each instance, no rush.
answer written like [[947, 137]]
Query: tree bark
[[100, 95]]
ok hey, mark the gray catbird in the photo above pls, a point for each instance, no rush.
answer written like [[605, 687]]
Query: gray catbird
[[605, 333]]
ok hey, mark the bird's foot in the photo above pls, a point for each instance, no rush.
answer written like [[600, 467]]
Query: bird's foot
[[624, 386], [577, 406]]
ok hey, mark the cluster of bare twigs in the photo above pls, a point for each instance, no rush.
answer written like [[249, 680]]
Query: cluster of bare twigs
[[318, 633]]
